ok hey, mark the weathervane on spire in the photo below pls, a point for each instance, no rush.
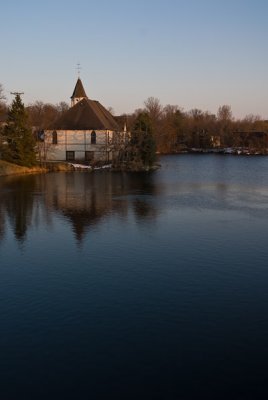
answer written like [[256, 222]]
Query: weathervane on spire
[[17, 93], [78, 67]]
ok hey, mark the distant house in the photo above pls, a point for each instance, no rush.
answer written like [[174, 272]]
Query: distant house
[[215, 141], [86, 132]]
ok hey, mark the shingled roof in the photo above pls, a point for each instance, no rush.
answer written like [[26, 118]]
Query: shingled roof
[[86, 115], [79, 90]]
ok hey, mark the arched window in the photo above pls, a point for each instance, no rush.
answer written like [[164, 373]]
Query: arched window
[[54, 137], [93, 137], [41, 135]]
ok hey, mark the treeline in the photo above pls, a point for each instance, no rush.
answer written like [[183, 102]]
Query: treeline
[[20, 127], [40, 115], [172, 129], [176, 130]]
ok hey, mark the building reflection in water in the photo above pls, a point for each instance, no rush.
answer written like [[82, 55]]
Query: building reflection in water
[[83, 199]]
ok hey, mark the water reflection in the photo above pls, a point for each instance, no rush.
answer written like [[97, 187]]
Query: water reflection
[[16, 205], [82, 199], [173, 271]]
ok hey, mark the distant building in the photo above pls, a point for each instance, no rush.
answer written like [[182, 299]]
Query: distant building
[[84, 133], [215, 141]]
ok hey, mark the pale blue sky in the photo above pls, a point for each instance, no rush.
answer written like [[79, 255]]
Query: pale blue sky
[[193, 53]]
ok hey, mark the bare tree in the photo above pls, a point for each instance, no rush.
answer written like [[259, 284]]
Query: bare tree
[[225, 124], [3, 114], [62, 107], [154, 108], [171, 137], [3, 106], [2, 96], [225, 113], [41, 114]]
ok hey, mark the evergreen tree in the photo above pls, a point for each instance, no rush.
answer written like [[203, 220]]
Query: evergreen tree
[[144, 139], [19, 143]]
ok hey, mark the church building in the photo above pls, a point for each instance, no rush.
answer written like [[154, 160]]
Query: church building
[[86, 132]]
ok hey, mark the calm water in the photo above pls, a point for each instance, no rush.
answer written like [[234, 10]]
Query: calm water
[[139, 286]]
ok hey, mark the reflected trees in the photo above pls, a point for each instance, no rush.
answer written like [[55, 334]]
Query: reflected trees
[[84, 200]]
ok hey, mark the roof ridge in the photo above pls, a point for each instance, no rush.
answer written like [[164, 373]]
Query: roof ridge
[[86, 114]]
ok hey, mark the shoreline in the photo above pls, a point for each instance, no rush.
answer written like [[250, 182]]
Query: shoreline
[[8, 169]]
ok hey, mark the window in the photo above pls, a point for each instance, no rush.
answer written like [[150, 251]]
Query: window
[[41, 136], [89, 156], [54, 137], [93, 137], [70, 156]]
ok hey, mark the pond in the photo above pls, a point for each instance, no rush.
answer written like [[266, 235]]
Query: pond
[[136, 285]]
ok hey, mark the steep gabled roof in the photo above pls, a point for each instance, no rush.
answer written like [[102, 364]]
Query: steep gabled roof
[[86, 115], [79, 90]]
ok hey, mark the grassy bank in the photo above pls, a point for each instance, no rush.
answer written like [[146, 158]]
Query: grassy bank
[[7, 168]]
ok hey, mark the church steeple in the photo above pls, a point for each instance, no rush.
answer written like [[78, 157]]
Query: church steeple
[[78, 93]]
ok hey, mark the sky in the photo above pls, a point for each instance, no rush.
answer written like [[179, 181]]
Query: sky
[[191, 53]]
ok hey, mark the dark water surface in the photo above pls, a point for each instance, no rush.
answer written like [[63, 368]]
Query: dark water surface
[[136, 286]]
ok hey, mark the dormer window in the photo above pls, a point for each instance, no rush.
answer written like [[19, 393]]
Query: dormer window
[[93, 137]]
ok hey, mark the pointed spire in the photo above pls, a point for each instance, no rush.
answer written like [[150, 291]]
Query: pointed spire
[[78, 93]]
